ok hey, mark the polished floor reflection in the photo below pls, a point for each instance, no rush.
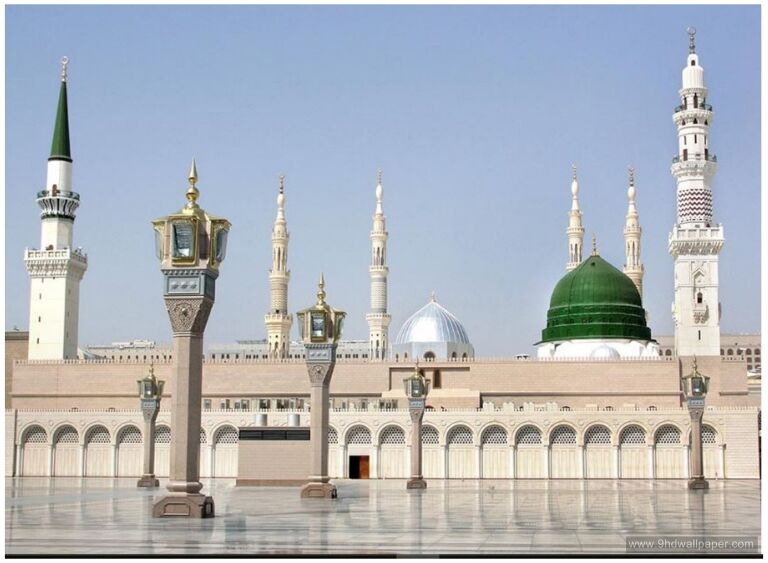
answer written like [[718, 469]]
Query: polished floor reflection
[[112, 516]]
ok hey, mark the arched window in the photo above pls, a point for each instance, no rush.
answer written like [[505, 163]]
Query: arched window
[[163, 435], [333, 436], [668, 352], [708, 434], [429, 436], [66, 435], [464, 357], [597, 435], [749, 351], [436, 379], [667, 434], [632, 435], [203, 437], [460, 435], [454, 356], [699, 298], [359, 435], [562, 435], [730, 351], [35, 435], [226, 435], [97, 435], [429, 356], [494, 435], [130, 435], [528, 435], [392, 435]]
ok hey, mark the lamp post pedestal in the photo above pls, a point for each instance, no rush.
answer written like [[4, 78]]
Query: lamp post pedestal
[[697, 480], [149, 408], [321, 359], [416, 409]]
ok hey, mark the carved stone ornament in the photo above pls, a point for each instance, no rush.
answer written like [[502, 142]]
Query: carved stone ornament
[[188, 315], [319, 374]]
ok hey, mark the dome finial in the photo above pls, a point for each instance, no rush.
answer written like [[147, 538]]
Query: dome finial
[[432, 296], [594, 244], [192, 193], [631, 170], [573, 169], [64, 63], [321, 290], [691, 40], [379, 173], [282, 183]]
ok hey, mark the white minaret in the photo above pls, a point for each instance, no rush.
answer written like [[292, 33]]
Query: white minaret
[[57, 268], [632, 231], [695, 240], [575, 228], [378, 318], [278, 320]]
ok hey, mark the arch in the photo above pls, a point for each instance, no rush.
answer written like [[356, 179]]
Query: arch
[[129, 434], [97, 434], [459, 434], [632, 434], [163, 434], [129, 451], [667, 434], [528, 434], [333, 435], [392, 434], [494, 435], [34, 434], [203, 436], [429, 356], [668, 352], [708, 434], [454, 356], [730, 351], [749, 351], [358, 434], [98, 451], [563, 434], [597, 434], [429, 435], [225, 434], [66, 434]]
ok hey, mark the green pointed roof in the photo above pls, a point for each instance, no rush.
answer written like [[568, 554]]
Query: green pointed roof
[[595, 300], [60, 144]]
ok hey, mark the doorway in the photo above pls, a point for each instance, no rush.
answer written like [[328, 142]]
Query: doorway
[[359, 467]]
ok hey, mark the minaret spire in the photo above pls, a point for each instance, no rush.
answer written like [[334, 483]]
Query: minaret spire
[[696, 240], [632, 233], [54, 308], [278, 320], [378, 318], [575, 229]]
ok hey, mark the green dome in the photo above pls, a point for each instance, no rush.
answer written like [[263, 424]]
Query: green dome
[[595, 300]]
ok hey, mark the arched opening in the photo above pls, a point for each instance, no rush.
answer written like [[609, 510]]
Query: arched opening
[[669, 459], [34, 454], [225, 452], [633, 453], [429, 356], [129, 452], [97, 452], [66, 452], [461, 459], [495, 454], [598, 453], [392, 455], [564, 455]]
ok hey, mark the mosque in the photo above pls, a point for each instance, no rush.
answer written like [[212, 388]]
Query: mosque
[[601, 399]]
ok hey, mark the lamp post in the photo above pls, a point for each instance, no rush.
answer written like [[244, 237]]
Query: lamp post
[[191, 244], [416, 390], [695, 388], [150, 393], [320, 328]]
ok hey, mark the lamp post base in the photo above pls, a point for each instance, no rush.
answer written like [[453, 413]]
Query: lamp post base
[[184, 505], [318, 490], [416, 483], [148, 482], [698, 483]]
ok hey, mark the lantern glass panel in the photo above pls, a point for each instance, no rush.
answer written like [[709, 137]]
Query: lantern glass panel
[[697, 384], [317, 329], [147, 389], [159, 244], [183, 239], [221, 244]]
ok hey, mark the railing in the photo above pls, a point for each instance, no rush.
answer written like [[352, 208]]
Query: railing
[[698, 156], [65, 253], [706, 107], [68, 195]]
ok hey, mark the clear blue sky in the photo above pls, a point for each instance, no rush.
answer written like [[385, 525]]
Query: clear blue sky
[[474, 113]]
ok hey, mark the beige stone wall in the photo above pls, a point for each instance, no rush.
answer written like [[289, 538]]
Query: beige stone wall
[[273, 461], [578, 384], [16, 348]]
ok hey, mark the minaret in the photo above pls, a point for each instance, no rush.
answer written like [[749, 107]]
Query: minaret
[[57, 268], [278, 320], [575, 228], [378, 318], [695, 241], [632, 231]]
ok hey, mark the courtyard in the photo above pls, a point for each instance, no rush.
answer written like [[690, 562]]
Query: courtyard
[[377, 517]]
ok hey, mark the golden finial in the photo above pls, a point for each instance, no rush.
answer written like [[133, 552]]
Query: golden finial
[[695, 367], [573, 169], [631, 170], [432, 296], [416, 370], [64, 63], [379, 172], [691, 39], [321, 290], [594, 244], [282, 183], [152, 368], [192, 193]]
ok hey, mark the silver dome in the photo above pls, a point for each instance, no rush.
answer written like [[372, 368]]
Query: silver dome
[[432, 323]]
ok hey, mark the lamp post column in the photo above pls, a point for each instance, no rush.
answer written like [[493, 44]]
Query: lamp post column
[[416, 409], [149, 408], [697, 480], [321, 359]]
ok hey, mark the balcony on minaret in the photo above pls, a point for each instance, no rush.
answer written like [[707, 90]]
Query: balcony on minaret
[[57, 203], [696, 240]]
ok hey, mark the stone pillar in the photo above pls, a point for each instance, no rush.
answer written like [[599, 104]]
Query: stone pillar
[[652, 461], [417, 477], [582, 461], [149, 408], [697, 480], [479, 461], [513, 461], [321, 360], [616, 462], [188, 315], [113, 460], [81, 460]]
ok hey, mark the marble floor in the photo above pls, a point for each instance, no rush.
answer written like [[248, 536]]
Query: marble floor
[[111, 516]]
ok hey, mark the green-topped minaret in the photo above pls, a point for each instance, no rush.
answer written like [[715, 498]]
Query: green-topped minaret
[[56, 266], [60, 145]]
